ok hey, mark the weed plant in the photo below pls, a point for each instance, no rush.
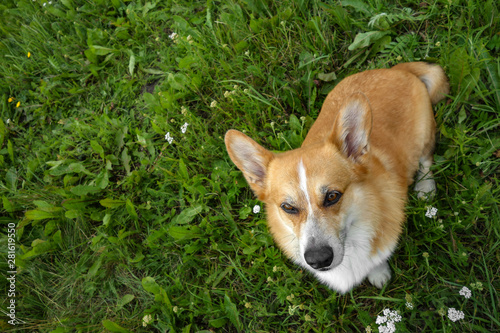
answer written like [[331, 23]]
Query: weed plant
[[130, 216]]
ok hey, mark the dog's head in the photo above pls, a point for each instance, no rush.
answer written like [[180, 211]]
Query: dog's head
[[312, 194]]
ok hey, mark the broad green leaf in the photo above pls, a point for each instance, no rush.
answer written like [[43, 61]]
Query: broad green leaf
[[112, 203], [126, 160], [37, 214], [183, 233], [96, 147], [72, 214], [364, 39], [102, 179], [131, 209], [101, 50], [94, 268], [57, 237], [76, 204], [232, 312], [327, 77], [131, 64], [113, 327], [139, 256], [125, 300], [187, 215], [149, 284], [183, 170], [7, 205], [82, 190], [217, 323], [10, 149]]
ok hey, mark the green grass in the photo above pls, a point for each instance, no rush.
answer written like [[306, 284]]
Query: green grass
[[113, 223]]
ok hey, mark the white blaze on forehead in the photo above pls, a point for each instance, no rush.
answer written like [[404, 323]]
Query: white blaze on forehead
[[303, 185]]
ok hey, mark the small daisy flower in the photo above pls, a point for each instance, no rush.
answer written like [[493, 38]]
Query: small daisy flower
[[431, 212], [146, 320], [169, 138], [465, 292], [184, 128], [256, 209], [455, 315], [213, 104]]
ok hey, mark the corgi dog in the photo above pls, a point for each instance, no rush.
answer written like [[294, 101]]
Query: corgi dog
[[336, 205]]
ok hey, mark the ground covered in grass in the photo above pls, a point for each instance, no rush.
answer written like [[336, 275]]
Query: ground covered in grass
[[128, 213]]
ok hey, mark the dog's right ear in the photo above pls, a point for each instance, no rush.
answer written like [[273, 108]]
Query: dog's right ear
[[251, 158]]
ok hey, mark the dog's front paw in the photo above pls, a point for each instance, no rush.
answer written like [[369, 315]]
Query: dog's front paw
[[380, 275], [425, 188]]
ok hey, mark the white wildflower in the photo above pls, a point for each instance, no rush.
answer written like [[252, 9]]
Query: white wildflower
[[256, 209], [455, 315], [146, 320], [431, 212], [213, 104], [173, 36], [387, 321], [409, 305], [247, 53], [465, 292], [227, 93], [169, 138], [184, 128], [183, 110]]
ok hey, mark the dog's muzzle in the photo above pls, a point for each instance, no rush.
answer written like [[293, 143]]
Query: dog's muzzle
[[319, 257]]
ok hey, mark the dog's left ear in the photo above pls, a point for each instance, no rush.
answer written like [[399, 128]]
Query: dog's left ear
[[351, 130]]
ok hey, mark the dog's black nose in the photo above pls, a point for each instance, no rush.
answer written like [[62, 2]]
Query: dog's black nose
[[319, 257]]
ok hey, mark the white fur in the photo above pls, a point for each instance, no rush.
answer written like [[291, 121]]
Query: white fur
[[303, 185], [357, 262], [353, 258], [425, 186]]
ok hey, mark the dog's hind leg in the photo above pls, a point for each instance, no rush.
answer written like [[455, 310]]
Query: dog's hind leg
[[425, 186]]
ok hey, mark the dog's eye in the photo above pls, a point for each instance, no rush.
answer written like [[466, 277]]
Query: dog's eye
[[289, 208], [331, 198]]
